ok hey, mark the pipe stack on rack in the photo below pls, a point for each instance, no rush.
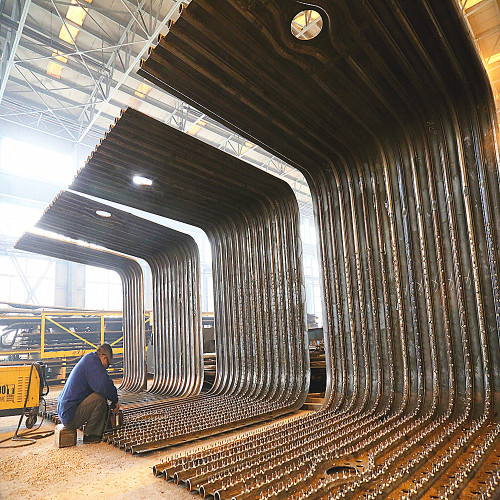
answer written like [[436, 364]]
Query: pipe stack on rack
[[174, 261], [389, 115], [130, 272]]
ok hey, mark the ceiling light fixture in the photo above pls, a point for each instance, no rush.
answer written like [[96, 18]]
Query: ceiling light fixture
[[102, 213], [68, 33], [141, 181], [142, 90], [77, 12]]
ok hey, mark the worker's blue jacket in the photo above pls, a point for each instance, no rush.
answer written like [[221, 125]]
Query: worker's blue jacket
[[88, 376]]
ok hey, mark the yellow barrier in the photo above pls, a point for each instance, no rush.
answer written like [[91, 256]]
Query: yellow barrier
[[45, 317]]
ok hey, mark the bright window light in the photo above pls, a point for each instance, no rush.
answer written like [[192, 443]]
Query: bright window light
[[306, 24], [142, 181], [54, 69], [34, 162], [77, 12], [60, 56], [15, 219], [492, 59], [467, 4], [68, 33], [196, 127], [102, 213], [194, 130], [142, 90]]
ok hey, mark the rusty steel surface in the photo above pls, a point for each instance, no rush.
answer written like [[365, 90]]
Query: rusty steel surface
[[389, 116], [130, 272], [251, 219], [174, 261]]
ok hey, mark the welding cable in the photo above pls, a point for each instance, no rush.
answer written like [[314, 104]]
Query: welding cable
[[28, 437]]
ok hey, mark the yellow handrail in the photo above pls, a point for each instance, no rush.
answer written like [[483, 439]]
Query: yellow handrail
[[116, 341], [69, 331]]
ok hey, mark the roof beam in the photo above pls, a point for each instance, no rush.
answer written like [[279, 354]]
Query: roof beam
[[106, 13], [109, 66], [66, 104], [41, 120], [20, 10], [488, 32], [475, 8]]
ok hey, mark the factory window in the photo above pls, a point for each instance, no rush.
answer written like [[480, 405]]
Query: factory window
[[308, 231], [30, 176], [26, 279], [23, 159], [308, 265], [103, 289], [16, 218], [307, 25]]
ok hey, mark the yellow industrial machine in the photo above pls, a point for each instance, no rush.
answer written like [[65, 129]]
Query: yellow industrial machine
[[21, 388]]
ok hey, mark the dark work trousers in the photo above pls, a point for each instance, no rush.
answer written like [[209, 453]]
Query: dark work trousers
[[92, 411]]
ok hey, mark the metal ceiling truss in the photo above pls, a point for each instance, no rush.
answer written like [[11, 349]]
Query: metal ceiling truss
[[87, 115], [153, 36], [95, 64], [100, 80], [19, 13]]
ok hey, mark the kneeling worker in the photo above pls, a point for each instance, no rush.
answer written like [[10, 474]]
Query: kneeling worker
[[83, 399]]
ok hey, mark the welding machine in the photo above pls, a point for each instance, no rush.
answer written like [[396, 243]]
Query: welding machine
[[21, 388]]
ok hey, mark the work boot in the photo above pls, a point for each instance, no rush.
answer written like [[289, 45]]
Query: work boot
[[91, 438]]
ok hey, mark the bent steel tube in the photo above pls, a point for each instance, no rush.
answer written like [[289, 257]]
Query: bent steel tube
[[174, 261], [130, 272], [388, 114], [251, 219]]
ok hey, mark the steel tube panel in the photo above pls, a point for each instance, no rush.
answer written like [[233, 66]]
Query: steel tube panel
[[174, 261], [389, 116], [251, 219], [130, 272]]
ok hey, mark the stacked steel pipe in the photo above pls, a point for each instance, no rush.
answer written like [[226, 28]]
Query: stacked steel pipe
[[130, 272], [174, 261], [251, 219], [389, 116]]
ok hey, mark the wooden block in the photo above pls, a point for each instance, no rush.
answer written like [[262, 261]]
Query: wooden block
[[64, 437]]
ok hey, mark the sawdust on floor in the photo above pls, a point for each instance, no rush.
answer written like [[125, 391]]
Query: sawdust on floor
[[96, 470]]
